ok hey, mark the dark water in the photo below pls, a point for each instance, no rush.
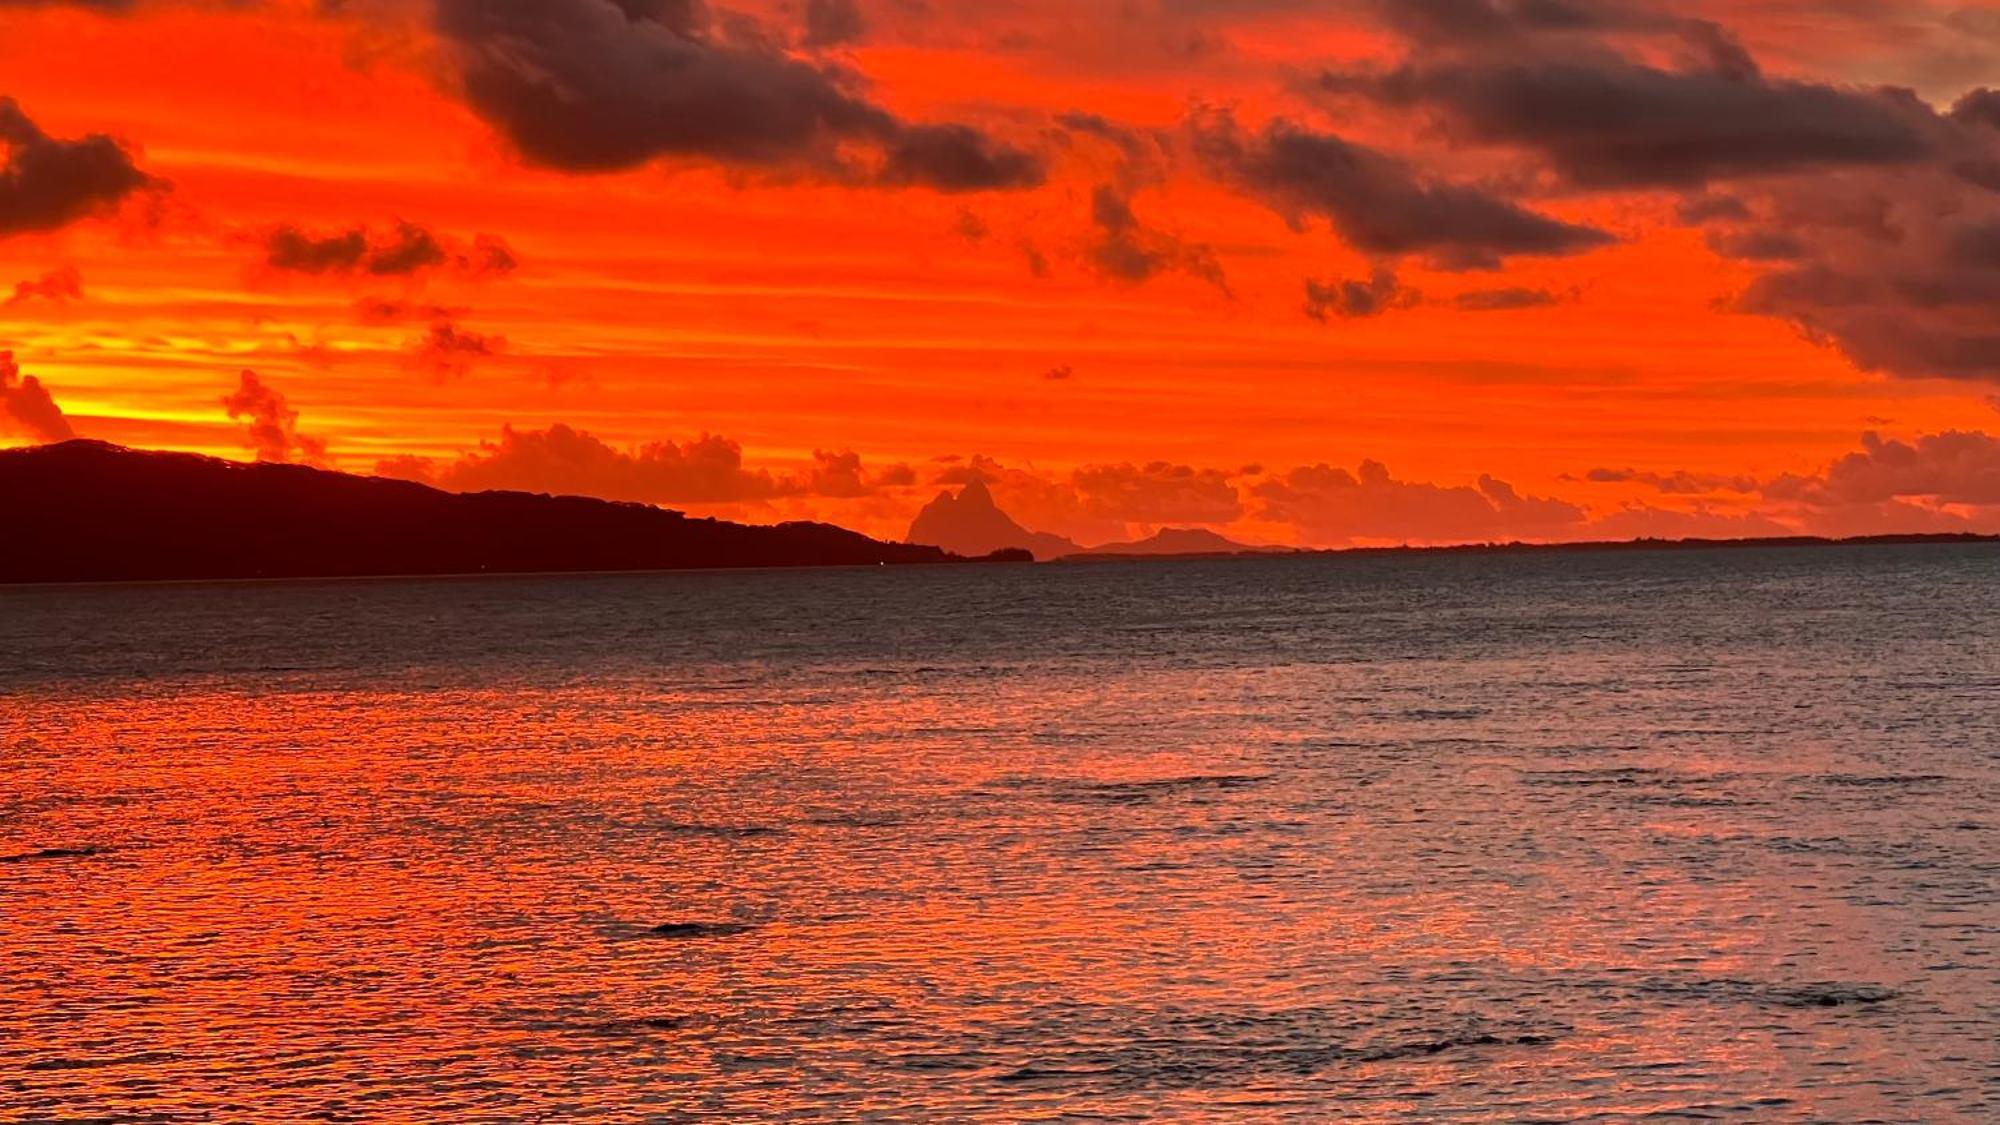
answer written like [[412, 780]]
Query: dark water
[[1491, 838]]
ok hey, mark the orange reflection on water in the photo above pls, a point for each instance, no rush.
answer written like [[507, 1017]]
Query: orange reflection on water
[[1191, 886]]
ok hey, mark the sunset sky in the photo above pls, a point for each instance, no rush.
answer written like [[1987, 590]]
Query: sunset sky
[[1304, 271]]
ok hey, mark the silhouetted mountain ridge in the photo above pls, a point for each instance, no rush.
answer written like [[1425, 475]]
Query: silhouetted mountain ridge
[[970, 523], [90, 511], [1182, 541]]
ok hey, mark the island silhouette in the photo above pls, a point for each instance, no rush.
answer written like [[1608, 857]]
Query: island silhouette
[[971, 522], [83, 511], [90, 511]]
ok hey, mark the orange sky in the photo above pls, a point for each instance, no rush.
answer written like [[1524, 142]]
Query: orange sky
[[789, 309]]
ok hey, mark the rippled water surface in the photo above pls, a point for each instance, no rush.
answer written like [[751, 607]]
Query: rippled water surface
[[1477, 837]]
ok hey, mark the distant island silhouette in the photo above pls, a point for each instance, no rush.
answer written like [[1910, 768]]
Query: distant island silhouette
[[90, 511], [84, 511], [1577, 545], [972, 523], [1177, 542]]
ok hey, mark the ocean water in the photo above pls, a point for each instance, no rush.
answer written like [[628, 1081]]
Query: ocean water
[[1460, 837]]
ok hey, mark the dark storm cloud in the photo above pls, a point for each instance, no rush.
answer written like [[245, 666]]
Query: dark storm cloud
[[1125, 249], [403, 250], [448, 352], [1355, 300], [957, 158], [1978, 107], [1931, 322], [1977, 246], [1605, 121], [830, 23], [1097, 125], [1757, 245], [1677, 483], [1505, 300], [1983, 173], [1138, 153], [587, 85], [688, 18], [47, 183], [1898, 269], [1874, 218], [1495, 72], [411, 249], [1707, 208], [289, 248], [593, 86], [1133, 159], [1382, 292], [1379, 204], [1433, 22]]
